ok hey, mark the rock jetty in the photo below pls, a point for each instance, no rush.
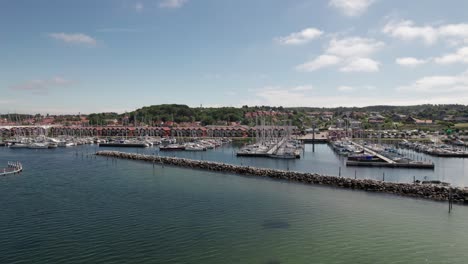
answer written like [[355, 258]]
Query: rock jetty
[[430, 191]]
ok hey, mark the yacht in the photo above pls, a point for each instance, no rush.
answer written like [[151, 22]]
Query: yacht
[[172, 147], [19, 145], [38, 146]]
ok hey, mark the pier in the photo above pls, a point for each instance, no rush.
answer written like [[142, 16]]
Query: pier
[[374, 153], [315, 138], [386, 161], [415, 165], [12, 168], [419, 190], [124, 145]]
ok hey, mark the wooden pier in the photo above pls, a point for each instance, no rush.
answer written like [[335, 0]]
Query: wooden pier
[[374, 153]]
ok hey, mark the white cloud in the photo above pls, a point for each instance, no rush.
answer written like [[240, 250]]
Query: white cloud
[[303, 88], [74, 38], [321, 61], [287, 97], [459, 31], [438, 84], [352, 53], [460, 56], [172, 3], [351, 7], [280, 96], [42, 86], [407, 30], [139, 7], [361, 65], [301, 37], [354, 47], [345, 88], [410, 61]]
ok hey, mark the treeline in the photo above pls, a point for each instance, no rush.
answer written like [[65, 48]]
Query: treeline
[[298, 115], [151, 115], [426, 110]]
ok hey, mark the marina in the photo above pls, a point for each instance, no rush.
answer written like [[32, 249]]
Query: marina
[[234, 132], [376, 155], [319, 158], [92, 209], [271, 144], [427, 190], [438, 150]]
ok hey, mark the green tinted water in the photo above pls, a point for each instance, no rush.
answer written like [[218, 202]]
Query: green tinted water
[[72, 209]]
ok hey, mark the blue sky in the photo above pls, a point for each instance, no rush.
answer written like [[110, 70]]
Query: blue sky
[[85, 56]]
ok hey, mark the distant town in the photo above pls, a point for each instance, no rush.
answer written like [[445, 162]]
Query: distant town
[[426, 117]]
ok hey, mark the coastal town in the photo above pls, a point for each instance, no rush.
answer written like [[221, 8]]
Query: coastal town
[[234, 132], [365, 138]]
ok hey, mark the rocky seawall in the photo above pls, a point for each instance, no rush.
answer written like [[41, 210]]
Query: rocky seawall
[[419, 190]]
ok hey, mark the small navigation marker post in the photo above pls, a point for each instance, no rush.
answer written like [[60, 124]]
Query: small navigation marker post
[[450, 200]]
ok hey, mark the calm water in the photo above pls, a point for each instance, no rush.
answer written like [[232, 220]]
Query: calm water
[[324, 161], [68, 208]]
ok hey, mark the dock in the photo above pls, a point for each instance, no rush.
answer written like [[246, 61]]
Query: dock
[[12, 168], [374, 153], [276, 150], [386, 161], [415, 165], [124, 145], [318, 138]]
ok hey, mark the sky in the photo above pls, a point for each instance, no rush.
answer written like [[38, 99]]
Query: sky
[[64, 56]]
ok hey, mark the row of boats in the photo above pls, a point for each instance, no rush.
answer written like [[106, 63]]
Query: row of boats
[[43, 143], [165, 144], [196, 145], [282, 149], [374, 153], [441, 150]]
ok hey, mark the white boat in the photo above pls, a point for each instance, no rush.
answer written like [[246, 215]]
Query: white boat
[[194, 147], [19, 145], [39, 146]]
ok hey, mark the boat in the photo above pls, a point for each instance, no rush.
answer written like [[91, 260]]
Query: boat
[[125, 144], [172, 147], [286, 155], [38, 146], [19, 145], [362, 157], [194, 147]]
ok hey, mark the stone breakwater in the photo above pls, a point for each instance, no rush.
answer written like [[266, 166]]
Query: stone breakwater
[[426, 191]]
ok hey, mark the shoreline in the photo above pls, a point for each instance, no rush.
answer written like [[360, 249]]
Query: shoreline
[[434, 192]]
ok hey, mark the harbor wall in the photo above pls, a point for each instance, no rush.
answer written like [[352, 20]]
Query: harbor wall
[[418, 190]]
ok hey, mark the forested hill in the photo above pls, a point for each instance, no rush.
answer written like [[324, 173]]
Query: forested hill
[[207, 116]]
